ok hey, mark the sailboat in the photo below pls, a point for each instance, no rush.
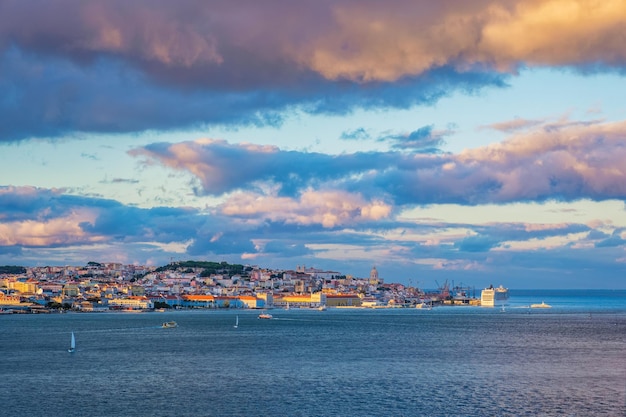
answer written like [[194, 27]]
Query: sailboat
[[72, 348], [236, 322]]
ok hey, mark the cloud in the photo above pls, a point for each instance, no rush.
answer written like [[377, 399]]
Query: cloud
[[423, 140], [560, 161], [201, 42], [391, 41], [476, 244], [515, 125], [34, 217], [114, 66], [356, 134], [616, 239], [12, 251], [327, 208], [109, 96], [226, 244], [120, 181], [58, 228], [51, 232], [63, 98], [222, 167], [278, 248], [457, 265]]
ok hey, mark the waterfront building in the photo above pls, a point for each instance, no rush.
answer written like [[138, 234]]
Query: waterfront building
[[131, 303], [238, 301], [372, 302], [9, 300], [198, 301], [169, 299], [267, 298], [249, 301], [343, 300]]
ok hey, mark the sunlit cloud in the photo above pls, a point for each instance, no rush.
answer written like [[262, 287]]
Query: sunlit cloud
[[560, 160], [327, 208], [53, 232], [114, 66], [198, 94], [385, 43]]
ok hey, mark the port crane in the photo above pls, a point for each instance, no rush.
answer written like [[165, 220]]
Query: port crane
[[444, 290]]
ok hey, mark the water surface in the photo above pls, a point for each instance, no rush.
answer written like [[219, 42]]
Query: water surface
[[450, 361]]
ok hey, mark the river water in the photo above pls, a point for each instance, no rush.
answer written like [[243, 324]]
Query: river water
[[569, 360]]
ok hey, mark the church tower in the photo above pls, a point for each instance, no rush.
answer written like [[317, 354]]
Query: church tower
[[374, 280]]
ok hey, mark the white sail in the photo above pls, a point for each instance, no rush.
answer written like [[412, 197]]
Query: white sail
[[72, 344]]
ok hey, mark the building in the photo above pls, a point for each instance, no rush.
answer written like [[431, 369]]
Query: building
[[131, 303], [343, 300], [198, 301], [374, 278], [9, 300]]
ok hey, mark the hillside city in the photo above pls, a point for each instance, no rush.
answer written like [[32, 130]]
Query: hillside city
[[98, 287]]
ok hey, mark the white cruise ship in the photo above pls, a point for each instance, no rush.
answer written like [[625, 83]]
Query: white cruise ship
[[491, 297]]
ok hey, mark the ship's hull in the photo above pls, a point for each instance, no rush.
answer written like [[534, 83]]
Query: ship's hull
[[491, 297]]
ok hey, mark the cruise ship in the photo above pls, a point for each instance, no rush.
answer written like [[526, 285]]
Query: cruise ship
[[491, 297]]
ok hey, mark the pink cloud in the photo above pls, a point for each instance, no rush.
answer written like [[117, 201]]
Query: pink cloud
[[558, 160], [356, 40], [57, 231], [576, 159], [328, 208], [534, 227]]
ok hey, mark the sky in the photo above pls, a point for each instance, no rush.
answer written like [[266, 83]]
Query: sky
[[470, 141]]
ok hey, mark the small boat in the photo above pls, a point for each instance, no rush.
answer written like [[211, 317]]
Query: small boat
[[265, 316], [236, 322], [424, 305], [169, 324], [72, 348], [542, 305]]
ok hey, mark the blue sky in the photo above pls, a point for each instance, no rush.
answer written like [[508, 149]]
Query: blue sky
[[477, 142]]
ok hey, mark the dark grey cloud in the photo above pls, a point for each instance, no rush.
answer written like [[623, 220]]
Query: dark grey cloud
[[222, 167], [223, 244], [107, 96], [423, 140], [476, 244], [12, 251], [614, 240], [356, 134]]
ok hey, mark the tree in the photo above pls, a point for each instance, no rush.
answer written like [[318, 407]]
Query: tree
[[12, 269]]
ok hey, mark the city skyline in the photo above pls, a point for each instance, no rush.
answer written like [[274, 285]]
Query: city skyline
[[478, 142]]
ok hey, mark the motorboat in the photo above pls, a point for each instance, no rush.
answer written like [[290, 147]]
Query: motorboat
[[265, 316], [542, 305], [169, 324]]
